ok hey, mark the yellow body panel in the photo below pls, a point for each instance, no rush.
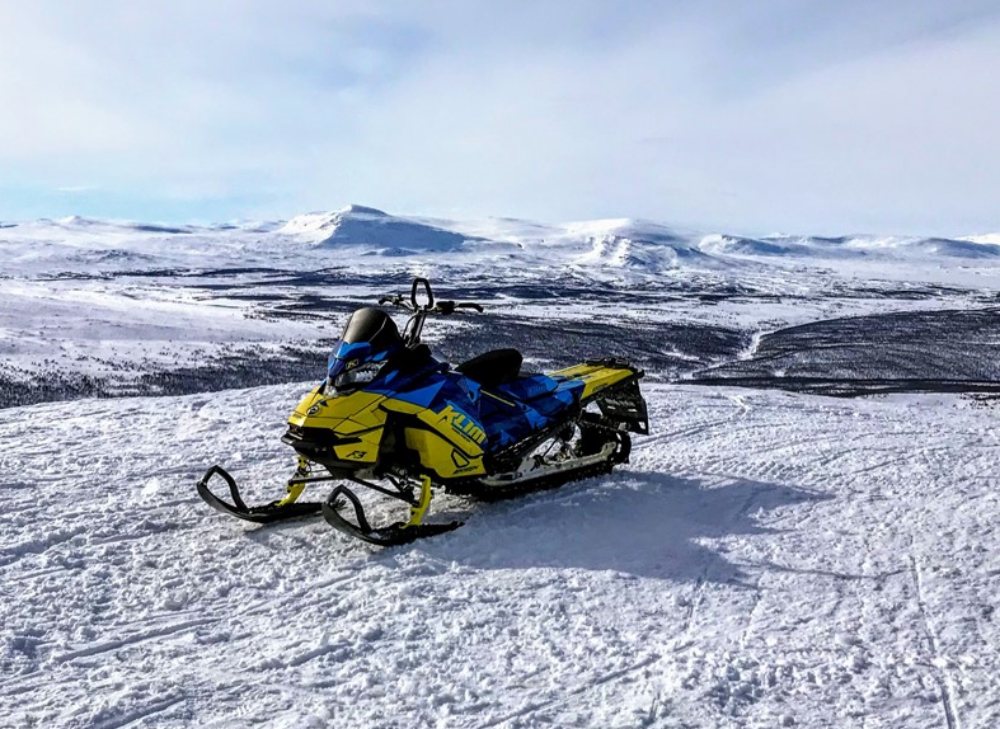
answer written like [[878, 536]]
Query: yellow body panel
[[319, 410], [595, 377], [357, 413], [440, 456], [451, 444]]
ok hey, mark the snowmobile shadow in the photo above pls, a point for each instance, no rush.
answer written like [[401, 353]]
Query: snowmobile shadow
[[279, 535], [638, 523]]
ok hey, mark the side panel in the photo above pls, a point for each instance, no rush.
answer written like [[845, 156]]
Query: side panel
[[439, 456], [319, 410], [447, 440], [595, 377], [365, 451]]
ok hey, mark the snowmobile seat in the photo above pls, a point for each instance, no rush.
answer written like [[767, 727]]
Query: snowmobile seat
[[493, 368]]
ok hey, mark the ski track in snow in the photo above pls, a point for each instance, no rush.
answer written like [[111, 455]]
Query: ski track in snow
[[766, 559]]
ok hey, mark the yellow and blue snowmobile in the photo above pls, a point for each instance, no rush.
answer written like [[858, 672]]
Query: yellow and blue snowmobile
[[392, 418]]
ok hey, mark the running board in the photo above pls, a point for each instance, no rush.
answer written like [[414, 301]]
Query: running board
[[533, 474]]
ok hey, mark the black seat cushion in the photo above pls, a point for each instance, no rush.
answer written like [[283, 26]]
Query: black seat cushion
[[493, 367]]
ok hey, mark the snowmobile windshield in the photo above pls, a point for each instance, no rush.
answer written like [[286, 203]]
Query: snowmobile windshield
[[373, 326], [369, 338]]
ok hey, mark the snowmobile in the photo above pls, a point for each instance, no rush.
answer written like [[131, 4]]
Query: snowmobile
[[392, 418]]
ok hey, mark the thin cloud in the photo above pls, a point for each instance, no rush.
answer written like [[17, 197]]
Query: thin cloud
[[749, 116]]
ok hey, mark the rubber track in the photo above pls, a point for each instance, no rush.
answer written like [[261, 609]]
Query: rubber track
[[484, 492]]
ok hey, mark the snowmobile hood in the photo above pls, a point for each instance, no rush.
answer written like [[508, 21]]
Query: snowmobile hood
[[343, 413]]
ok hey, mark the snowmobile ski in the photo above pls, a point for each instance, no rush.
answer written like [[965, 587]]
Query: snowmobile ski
[[279, 510], [388, 536]]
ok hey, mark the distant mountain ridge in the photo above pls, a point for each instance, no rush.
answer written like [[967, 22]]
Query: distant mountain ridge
[[622, 242], [613, 244]]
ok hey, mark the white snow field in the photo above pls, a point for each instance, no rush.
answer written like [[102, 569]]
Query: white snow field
[[767, 559]]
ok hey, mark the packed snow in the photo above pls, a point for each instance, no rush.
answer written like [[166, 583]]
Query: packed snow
[[767, 558]]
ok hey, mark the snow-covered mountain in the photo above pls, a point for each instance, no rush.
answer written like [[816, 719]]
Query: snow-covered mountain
[[373, 229], [375, 237], [85, 299], [855, 246]]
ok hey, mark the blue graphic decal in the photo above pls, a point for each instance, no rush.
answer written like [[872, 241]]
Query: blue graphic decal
[[494, 418]]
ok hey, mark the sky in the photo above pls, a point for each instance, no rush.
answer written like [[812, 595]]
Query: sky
[[795, 116]]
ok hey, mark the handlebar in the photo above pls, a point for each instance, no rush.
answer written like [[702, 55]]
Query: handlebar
[[449, 307], [430, 307]]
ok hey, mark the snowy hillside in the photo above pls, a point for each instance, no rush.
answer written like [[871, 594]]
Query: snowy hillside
[[885, 247], [766, 560], [373, 229]]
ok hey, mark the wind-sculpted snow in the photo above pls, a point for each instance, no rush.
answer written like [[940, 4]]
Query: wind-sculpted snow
[[767, 559]]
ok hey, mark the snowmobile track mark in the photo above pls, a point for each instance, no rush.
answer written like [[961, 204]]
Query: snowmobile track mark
[[140, 714], [176, 529], [943, 679], [297, 598], [26, 576], [758, 595], [14, 552], [682, 433], [693, 602], [314, 653], [98, 648]]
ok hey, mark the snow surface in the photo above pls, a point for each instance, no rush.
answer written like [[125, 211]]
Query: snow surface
[[766, 559]]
